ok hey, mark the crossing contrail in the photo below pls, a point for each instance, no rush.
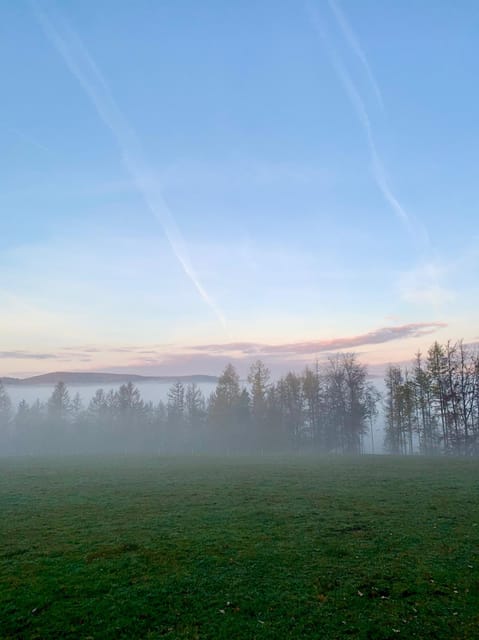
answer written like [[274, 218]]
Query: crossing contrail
[[29, 139], [83, 67]]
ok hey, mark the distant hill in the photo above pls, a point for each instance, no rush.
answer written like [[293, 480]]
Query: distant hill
[[83, 377]]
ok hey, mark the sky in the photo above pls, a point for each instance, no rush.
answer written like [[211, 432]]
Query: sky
[[188, 184]]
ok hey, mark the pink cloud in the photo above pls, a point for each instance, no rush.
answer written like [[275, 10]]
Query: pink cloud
[[168, 359], [312, 347]]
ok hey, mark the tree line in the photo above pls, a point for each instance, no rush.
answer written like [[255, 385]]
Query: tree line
[[329, 409], [429, 407], [433, 405]]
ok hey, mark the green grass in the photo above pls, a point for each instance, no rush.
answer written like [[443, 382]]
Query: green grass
[[274, 548]]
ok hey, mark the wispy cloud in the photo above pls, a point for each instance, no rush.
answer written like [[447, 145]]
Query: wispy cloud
[[233, 175], [27, 355], [85, 70], [160, 352], [356, 47], [415, 230], [210, 358], [313, 347], [421, 286]]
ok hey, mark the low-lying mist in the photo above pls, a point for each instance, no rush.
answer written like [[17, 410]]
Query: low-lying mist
[[431, 408], [331, 410]]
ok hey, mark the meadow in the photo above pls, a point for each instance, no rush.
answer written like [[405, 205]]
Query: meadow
[[278, 547]]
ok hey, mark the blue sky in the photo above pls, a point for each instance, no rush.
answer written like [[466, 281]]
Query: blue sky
[[184, 183]]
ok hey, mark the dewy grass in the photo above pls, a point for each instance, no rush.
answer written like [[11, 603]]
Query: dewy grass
[[371, 548]]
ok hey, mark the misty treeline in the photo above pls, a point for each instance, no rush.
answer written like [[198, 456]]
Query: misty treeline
[[429, 407], [433, 405], [326, 410]]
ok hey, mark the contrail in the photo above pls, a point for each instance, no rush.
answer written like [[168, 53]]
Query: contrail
[[353, 42], [30, 140], [416, 231], [84, 69]]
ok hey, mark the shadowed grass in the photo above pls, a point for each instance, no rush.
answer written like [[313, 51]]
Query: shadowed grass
[[371, 548]]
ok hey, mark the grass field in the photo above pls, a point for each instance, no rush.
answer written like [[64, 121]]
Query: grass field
[[277, 548]]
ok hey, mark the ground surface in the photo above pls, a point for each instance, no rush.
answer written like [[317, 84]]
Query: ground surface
[[369, 548]]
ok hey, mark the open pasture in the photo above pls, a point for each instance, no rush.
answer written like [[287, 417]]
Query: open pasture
[[271, 548]]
